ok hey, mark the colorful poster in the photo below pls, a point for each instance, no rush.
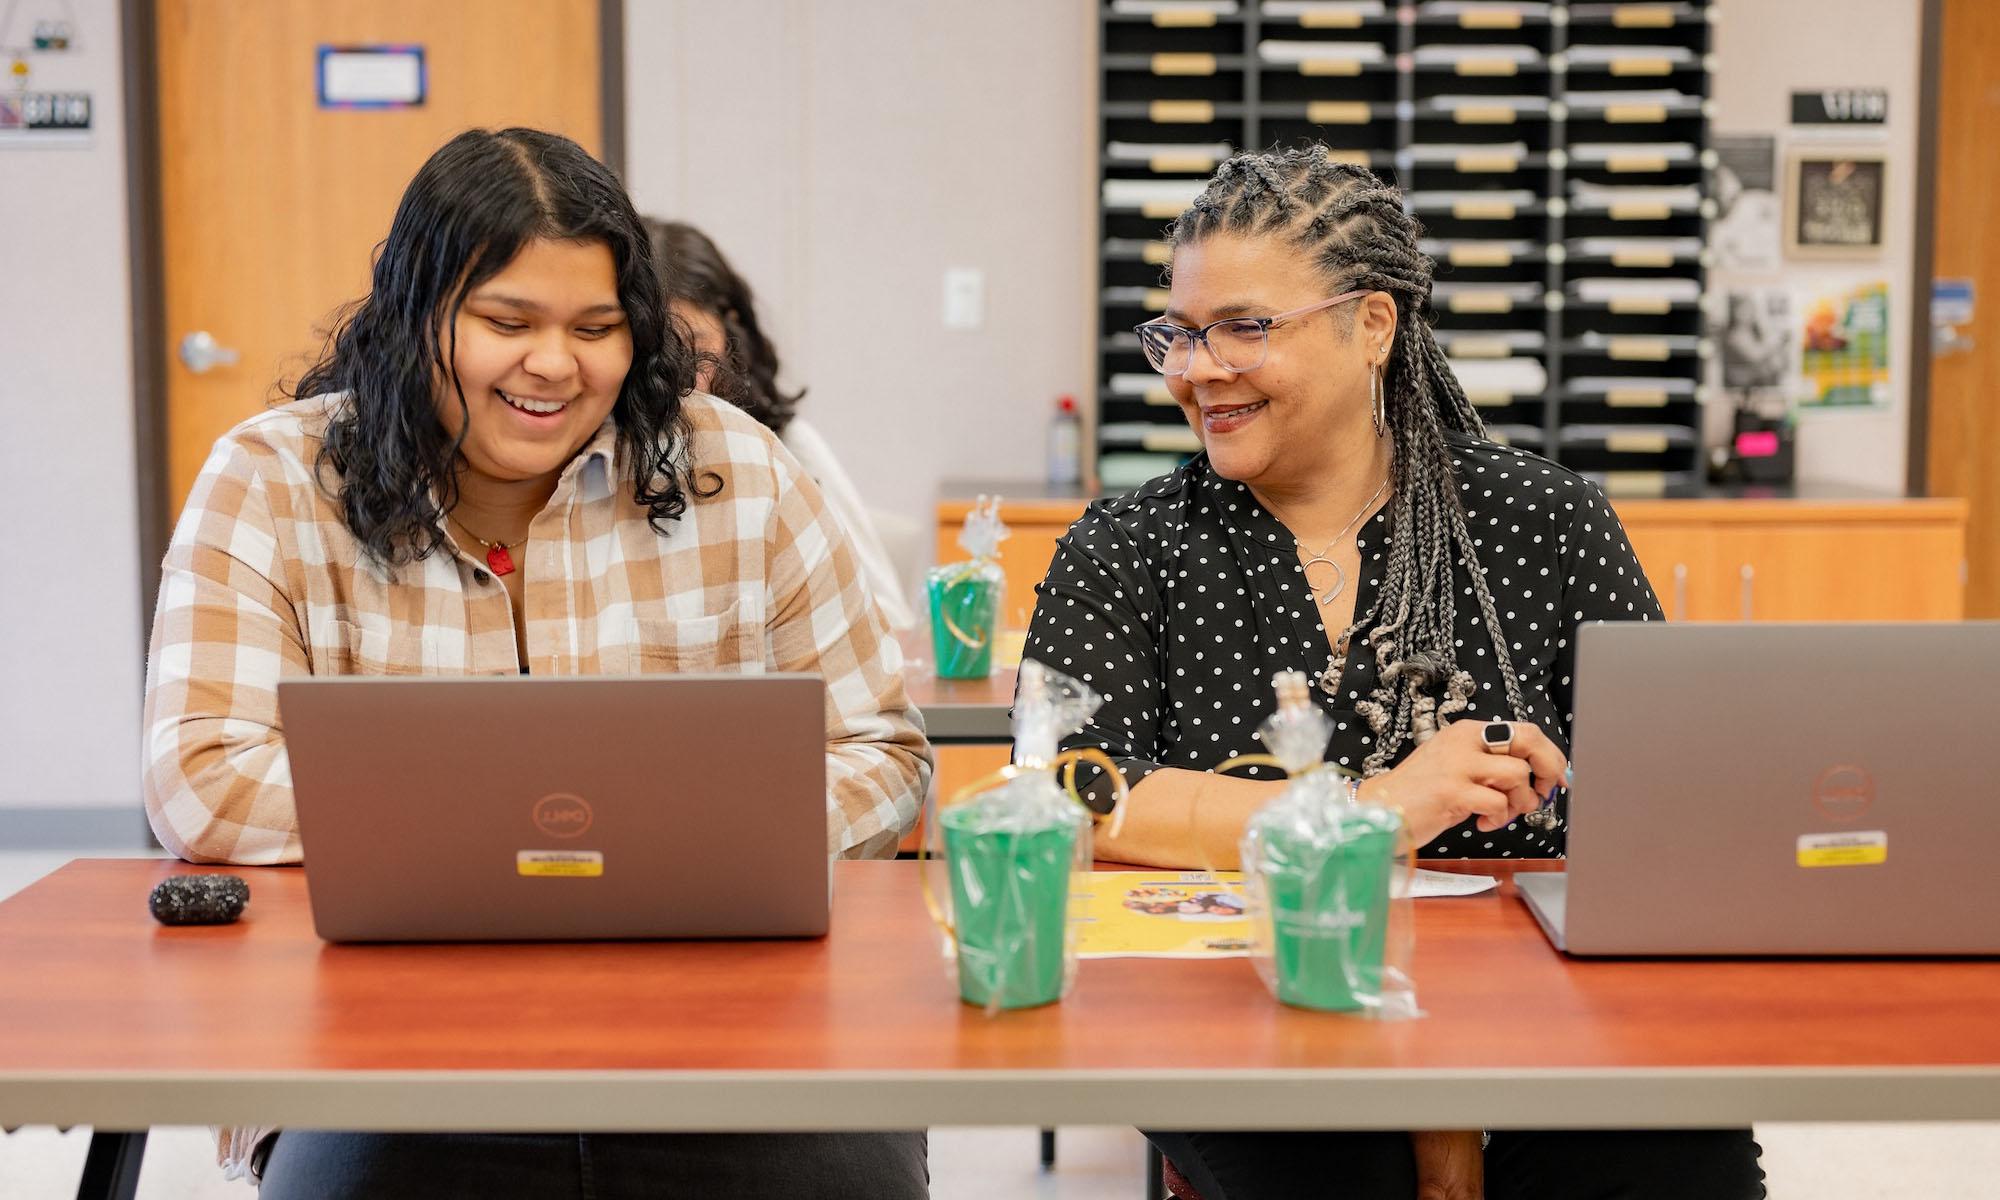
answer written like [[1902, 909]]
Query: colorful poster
[[1844, 357], [1161, 914], [1196, 914]]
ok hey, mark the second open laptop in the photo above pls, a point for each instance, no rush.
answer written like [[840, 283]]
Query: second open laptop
[[1781, 789], [497, 808]]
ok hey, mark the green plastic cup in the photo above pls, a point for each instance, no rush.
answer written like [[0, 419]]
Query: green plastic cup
[[1010, 905], [1329, 915], [965, 611]]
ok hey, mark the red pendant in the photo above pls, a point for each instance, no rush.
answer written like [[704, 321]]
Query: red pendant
[[501, 561]]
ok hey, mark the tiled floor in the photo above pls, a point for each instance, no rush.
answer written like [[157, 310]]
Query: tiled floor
[[1804, 1162]]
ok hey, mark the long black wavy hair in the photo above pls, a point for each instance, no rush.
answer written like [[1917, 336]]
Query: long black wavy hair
[[693, 270], [463, 218]]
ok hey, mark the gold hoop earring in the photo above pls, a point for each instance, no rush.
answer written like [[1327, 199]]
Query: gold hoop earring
[[1378, 394]]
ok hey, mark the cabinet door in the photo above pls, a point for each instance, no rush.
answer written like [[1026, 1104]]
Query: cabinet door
[[1851, 571], [1024, 558], [956, 767], [1680, 563]]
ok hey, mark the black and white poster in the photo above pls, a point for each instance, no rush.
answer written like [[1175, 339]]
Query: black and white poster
[[1747, 234], [1755, 333]]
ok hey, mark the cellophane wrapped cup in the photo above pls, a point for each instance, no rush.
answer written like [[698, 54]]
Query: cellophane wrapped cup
[[965, 597], [1011, 852], [1326, 877]]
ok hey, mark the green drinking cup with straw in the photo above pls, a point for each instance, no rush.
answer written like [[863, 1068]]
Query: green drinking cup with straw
[[1012, 845], [965, 597], [1319, 872], [1010, 897]]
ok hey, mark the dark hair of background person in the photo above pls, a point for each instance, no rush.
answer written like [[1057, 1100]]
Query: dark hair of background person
[[694, 271], [466, 214]]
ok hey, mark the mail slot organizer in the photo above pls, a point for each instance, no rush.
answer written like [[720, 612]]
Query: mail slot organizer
[[1556, 153]]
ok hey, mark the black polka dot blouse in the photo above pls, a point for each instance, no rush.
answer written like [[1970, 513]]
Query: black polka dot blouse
[[1178, 602]]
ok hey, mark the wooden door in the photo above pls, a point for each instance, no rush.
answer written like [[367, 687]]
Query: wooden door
[[1965, 408], [271, 205]]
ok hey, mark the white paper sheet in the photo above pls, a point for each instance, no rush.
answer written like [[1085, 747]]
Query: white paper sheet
[[1449, 883]]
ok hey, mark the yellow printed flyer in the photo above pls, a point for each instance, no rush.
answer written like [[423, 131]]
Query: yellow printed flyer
[[1160, 914]]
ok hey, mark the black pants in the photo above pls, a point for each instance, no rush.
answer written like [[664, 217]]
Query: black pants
[[1674, 1164], [313, 1165]]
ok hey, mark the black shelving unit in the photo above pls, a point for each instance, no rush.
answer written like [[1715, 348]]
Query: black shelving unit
[[1555, 152]]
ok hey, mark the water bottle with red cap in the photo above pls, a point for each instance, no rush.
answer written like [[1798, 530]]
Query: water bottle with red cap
[[1066, 444]]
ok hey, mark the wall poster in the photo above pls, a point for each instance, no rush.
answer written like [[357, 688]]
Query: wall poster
[[1844, 347], [1745, 235], [1757, 335], [1834, 201]]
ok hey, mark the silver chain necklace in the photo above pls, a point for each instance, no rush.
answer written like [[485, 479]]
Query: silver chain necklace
[[1339, 575]]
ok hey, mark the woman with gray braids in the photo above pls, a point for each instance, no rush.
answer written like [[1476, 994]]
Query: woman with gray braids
[[1347, 518]]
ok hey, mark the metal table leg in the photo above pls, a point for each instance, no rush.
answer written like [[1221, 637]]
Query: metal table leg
[[111, 1169]]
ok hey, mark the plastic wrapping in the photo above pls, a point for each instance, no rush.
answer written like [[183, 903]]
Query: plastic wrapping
[[965, 597], [1011, 845], [1326, 877]]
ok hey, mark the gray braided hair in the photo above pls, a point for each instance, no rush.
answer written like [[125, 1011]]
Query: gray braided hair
[[1360, 236]]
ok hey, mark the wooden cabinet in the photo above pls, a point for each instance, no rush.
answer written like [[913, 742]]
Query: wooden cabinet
[[956, 767], [1033, 527], [1709, 560], [1798, 560]]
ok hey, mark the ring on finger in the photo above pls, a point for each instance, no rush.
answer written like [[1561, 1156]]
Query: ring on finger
[[1497, 737]]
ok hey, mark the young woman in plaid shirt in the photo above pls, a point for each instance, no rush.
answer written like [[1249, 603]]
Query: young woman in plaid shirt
[[500, 465]]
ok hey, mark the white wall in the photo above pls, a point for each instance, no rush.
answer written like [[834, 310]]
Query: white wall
[[1767, 50], [70, 652], [843, 156]]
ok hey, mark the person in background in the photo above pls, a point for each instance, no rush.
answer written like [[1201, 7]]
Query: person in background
[[501, 465], [738, 363], [1349, 519]]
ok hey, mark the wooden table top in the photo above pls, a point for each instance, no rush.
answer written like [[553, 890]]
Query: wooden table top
[[107, 1017]]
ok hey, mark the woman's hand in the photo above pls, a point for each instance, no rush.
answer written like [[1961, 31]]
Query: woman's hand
[[1454, 776], [1451, 1164]]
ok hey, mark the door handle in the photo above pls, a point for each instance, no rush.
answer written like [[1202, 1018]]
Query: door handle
[[1749, 590], [1680, 592], [201, 353]]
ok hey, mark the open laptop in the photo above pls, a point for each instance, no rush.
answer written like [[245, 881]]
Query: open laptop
[[1781, 789], [503, 808]]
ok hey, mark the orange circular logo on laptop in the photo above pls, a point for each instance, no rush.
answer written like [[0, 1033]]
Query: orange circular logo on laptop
[[1843, 793], [562, 815]]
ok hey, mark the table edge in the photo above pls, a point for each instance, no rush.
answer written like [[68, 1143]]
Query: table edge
[[1373, 1098]]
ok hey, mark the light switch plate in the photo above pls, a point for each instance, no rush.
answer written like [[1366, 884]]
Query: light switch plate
[[964, 298]]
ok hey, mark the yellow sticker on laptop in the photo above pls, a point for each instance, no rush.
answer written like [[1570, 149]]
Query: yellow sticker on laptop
[[559, 864], [1857, 848]]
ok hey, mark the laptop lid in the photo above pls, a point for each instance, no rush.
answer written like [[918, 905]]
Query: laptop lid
[[501, 807], [1785, 789]]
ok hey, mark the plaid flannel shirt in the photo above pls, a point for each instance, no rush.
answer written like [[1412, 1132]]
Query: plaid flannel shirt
[[263, 580]]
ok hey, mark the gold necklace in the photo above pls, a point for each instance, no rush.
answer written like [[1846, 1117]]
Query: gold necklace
[[1339, 575], [497, 559]]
